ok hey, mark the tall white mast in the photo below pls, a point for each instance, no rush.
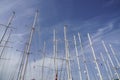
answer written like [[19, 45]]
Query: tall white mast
[[81, 46], [93, 52], [110, 59], [28, 49], [107, 63], [76, 51], [55, 54], [67, 56], [21, 63], [109, 76], [42, 78], [114, 55], [7, 26]]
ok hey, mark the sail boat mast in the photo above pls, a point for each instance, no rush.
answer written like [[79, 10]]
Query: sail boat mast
[[93, 52], [114, 55], [107, 63], [7, 26], [76, 50], [81, 46], [28, 49], [21, 63], [110, 59], [55, 54], [5, 44], [104, 63], [67, 56], [43, 60]]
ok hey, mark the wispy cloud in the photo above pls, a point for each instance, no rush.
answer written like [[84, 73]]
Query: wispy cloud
[[102, 31]]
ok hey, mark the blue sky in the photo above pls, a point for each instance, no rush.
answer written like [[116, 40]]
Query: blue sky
[[100, 18]]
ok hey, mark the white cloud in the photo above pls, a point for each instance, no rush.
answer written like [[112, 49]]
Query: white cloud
[[35, 69], [102, 31]]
